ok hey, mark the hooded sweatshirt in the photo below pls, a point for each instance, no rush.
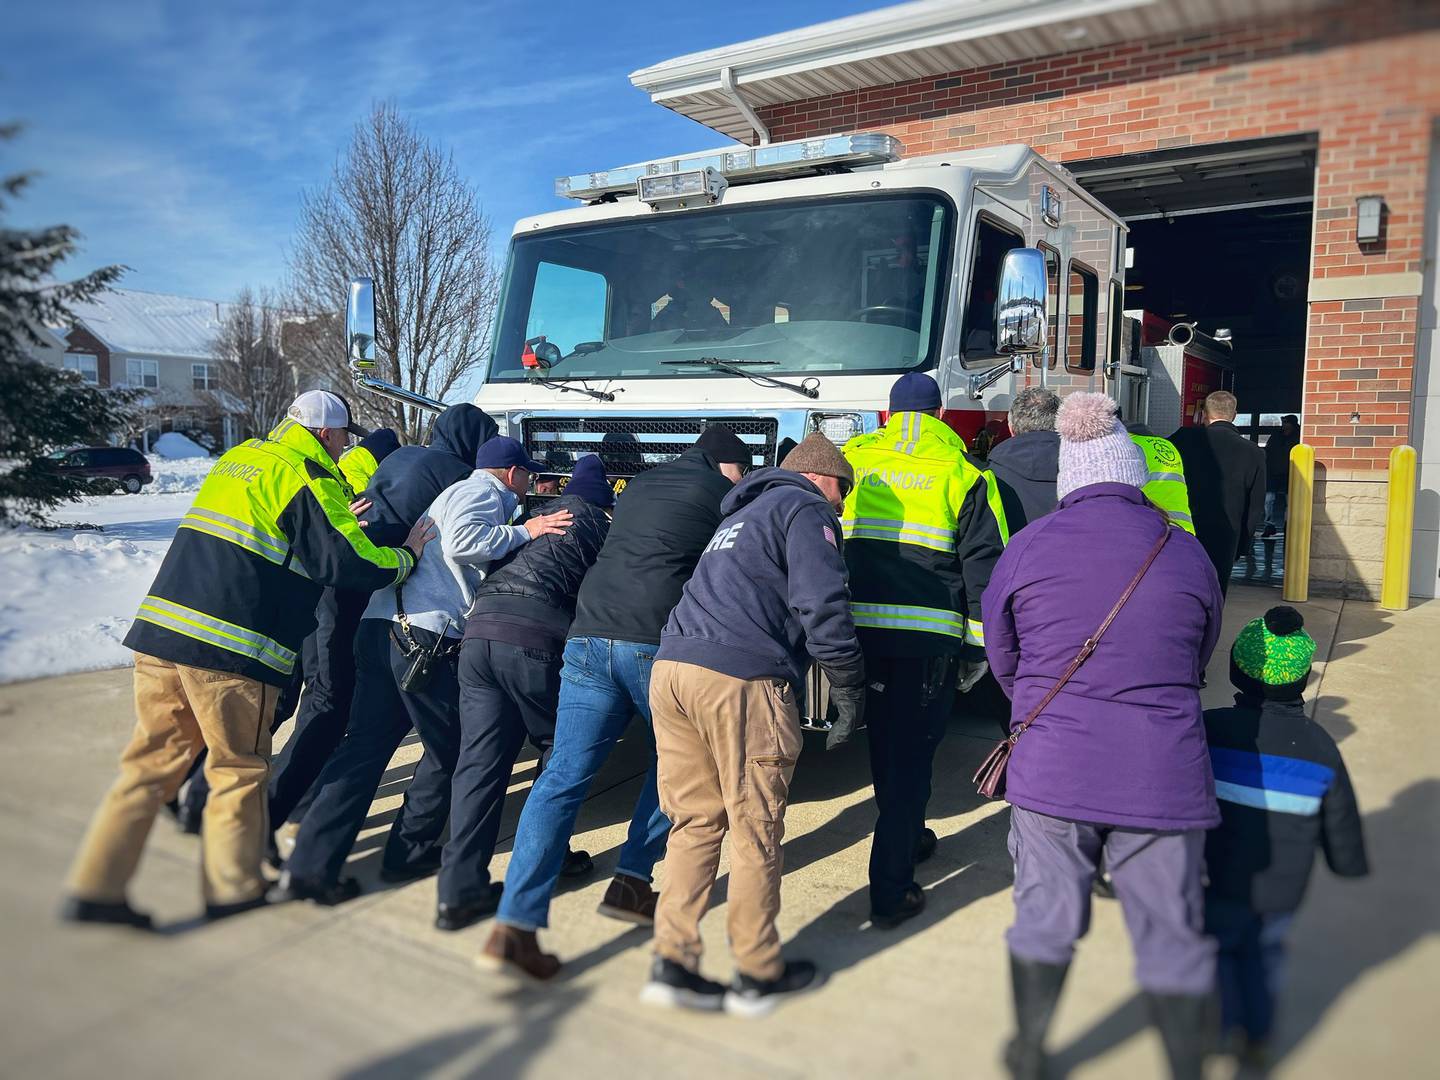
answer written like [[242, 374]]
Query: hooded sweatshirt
[[769, 592], [412, 477], [472, 531], [1025, 468]]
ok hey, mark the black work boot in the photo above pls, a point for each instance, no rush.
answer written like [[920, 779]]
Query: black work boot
[[1036, 987], [1184, 1021]]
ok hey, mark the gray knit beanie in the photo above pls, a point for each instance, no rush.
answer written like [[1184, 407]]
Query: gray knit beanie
[[1094, 446]]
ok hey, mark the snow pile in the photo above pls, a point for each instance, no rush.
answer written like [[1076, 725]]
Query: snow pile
[[70, 595], [182, 474], [174, 446]]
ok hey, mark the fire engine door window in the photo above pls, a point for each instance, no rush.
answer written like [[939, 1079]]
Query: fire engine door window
[[569, 307], [816, 286], [1081, 309], [977, 330], [1052, 304]]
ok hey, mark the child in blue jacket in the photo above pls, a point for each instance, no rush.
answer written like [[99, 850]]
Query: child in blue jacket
[[1283, 793]]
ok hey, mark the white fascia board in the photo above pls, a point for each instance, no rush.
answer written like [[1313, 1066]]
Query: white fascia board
[[906, 28]]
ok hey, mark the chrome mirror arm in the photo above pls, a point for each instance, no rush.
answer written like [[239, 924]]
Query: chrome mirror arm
[[380, 388], [983, 380]]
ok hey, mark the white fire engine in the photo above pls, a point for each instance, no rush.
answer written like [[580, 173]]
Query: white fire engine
[[781, 289]]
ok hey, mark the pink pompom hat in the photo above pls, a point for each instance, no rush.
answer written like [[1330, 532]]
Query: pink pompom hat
[[1094, 446]]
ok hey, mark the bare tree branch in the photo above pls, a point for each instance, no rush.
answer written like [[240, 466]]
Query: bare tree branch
[[397, 209], [256, 380]]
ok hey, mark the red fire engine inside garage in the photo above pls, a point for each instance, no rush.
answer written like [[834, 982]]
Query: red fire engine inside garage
[[1272, 159]]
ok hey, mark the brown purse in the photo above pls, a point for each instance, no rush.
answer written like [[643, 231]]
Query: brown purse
[[989, 778]]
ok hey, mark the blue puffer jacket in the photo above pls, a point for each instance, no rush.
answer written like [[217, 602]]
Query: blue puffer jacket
[[769, 593]]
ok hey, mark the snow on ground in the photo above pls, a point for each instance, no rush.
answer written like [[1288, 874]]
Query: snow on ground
[[173, 445], [71, 593]]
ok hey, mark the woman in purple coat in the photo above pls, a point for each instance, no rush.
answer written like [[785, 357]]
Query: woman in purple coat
[[1116, 766]]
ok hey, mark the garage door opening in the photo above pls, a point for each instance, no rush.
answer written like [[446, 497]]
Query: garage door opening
[[1220, 237]]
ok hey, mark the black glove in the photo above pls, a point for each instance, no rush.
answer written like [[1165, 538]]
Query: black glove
[[849, 702], [970, 674]]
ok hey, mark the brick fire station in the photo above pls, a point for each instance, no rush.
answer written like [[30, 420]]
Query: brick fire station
[[1276, 162]]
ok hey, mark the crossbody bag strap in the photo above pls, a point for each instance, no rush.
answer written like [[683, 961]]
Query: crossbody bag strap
[[1094, 639]]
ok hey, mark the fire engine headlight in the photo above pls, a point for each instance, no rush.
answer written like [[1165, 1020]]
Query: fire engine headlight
[[681, 189], [839, 428]]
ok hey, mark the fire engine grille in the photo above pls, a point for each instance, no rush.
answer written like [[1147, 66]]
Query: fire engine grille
[[630, 445]]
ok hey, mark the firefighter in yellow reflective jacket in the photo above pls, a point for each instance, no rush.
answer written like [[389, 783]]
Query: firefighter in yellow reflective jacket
[[1166, 485], [215, 641], [358, 464], [923, 528]]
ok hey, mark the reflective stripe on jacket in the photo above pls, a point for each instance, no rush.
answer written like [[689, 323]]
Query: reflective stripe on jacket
[[923, 527], [1166, 485], [238, 588]]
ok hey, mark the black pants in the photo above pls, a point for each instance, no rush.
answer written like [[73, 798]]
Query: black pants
[[329, 658], [906, 720], [507, 693], [381, 715]]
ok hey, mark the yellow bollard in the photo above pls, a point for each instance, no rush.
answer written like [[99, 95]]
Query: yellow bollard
[[1399, 530], [1297, 524]]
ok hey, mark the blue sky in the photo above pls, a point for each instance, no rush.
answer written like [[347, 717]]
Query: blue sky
[[178, 136]]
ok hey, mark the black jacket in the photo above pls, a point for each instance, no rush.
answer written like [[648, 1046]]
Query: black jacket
[[1025, 468], [1277, 460], [663, 520], [1225, 475], [528, 599], [769, 592], [410, 478], [1283, 793]]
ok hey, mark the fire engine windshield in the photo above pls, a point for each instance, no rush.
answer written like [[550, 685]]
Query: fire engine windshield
[[850, 284]]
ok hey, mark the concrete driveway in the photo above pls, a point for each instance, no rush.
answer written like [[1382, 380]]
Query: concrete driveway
[[371, 990]]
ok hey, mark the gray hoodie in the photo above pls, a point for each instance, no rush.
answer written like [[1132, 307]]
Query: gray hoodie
[[472, 531]]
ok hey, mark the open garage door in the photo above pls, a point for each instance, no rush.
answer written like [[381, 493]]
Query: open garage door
[[1168, 184], [1221, 236]]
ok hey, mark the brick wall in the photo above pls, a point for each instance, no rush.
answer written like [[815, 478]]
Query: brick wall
[[82, 341], [1366, 79]]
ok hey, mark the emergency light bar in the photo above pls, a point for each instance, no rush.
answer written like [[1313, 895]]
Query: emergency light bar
[[742, 164]]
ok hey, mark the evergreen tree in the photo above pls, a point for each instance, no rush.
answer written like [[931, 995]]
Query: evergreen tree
[[43, 408]]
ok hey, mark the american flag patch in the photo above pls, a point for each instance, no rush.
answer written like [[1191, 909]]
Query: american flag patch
[[830, 535]]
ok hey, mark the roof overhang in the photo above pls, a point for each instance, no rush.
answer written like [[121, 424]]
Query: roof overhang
[[911, 41]]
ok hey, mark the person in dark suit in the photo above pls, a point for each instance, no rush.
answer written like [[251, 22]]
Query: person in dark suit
[[1225, 474]]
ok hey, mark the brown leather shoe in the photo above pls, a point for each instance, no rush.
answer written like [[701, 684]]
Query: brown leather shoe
[[511, 951], [631, 900]]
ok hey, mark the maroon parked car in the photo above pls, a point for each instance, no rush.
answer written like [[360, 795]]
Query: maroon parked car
[[128, 469]]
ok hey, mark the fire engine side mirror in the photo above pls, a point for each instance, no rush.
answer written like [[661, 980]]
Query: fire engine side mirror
[[360, 323], [1020, 320]]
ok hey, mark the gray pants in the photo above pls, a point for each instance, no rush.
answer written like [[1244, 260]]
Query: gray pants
[[1157, 880]]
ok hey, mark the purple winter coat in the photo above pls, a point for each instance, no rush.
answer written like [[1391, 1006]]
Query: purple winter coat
[[1124, 742]]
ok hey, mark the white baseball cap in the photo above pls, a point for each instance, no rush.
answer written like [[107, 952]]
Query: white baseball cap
[[322, 409]]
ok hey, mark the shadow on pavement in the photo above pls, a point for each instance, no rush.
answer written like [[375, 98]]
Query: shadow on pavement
[[491, 1051], [967, 867]]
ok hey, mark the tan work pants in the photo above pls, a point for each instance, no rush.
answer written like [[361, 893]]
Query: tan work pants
[[727, 749], [180, 711]]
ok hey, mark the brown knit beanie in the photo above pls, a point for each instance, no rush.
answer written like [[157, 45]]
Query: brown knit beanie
[[820, 456]]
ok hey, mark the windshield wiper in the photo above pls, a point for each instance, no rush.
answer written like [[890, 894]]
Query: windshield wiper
[[808, 387], [554, 384]]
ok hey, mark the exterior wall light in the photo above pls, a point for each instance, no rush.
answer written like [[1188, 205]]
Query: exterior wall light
[[1368, 211]]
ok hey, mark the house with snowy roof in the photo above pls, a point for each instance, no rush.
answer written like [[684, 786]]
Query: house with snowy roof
[[161, 344]]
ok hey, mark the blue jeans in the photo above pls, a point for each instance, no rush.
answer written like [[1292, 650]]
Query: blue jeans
[[1251, 964], [1276, 503], [602, 684]]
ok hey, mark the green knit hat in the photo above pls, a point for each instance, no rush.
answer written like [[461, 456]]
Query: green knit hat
[[1274, 651]]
